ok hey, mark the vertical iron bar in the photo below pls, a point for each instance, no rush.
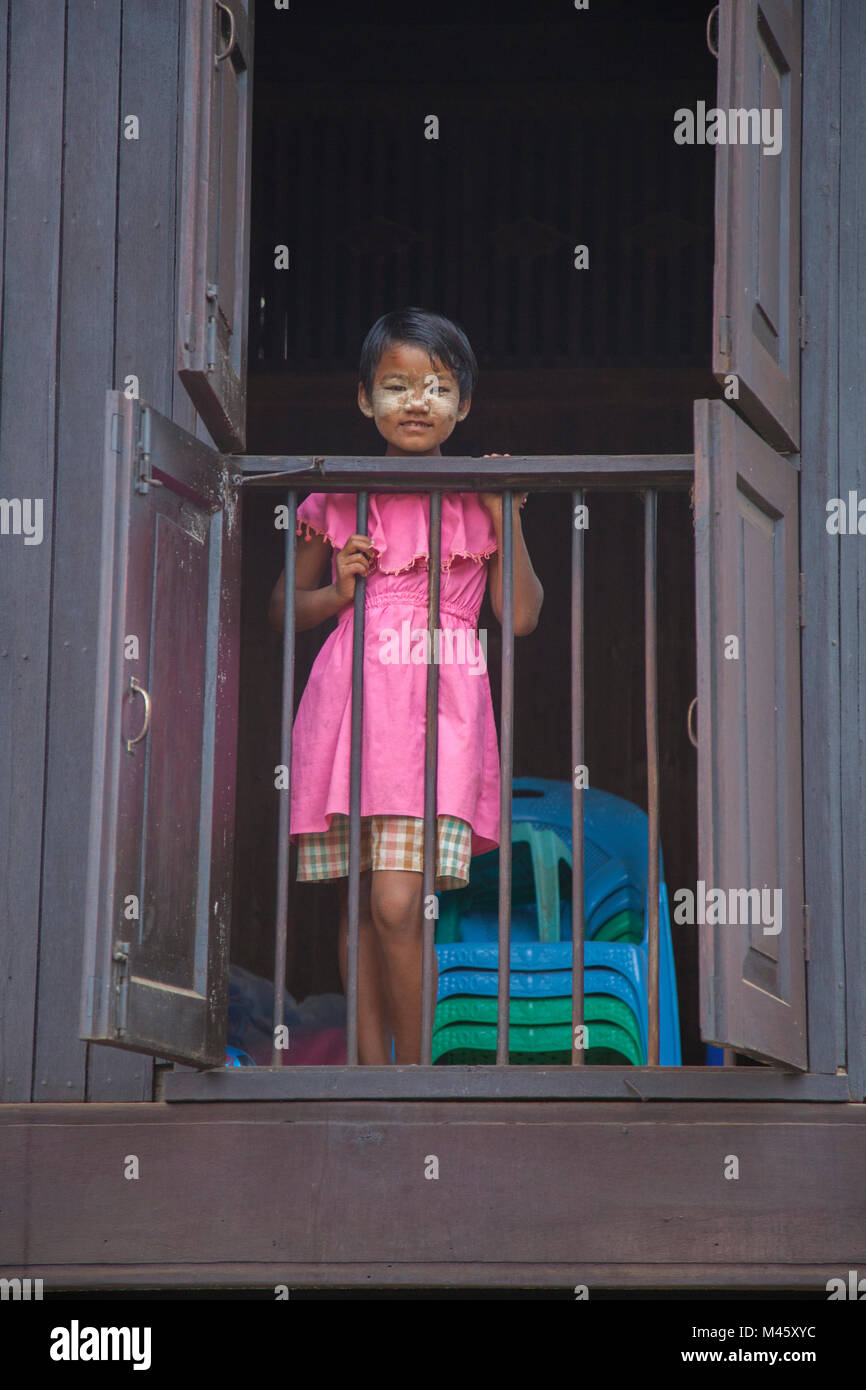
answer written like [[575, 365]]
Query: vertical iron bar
[[506, 763], [431, 753], [286, 713], [355, 801], [578, 1053], [652, 767]]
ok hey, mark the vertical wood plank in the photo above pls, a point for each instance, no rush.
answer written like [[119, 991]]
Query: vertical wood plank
[[30, 268], [4, 77], [146, 202], [145, 296], [183, 411], [851, 558], [819, 555], [86, 333]]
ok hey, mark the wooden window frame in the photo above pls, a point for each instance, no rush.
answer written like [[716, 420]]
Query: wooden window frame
[[716, 1083]]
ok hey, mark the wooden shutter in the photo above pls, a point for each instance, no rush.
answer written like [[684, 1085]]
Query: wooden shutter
[[749, 758], [756, 293], [214, 220], [160, 855]]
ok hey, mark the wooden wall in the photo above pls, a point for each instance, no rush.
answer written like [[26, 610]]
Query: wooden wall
[[88, 282], [87, 296], [532, 1195], [833, 464], [851, 553]]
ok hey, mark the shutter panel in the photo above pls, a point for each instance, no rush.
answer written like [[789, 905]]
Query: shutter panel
[[756, 292], [214, 220], [160, 856], [749, 771]]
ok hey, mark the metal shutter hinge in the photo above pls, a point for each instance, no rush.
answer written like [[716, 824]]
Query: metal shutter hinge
[[725, 336], [210, 337], [142, 453], [116, 439], [121, 985], [210, 343]]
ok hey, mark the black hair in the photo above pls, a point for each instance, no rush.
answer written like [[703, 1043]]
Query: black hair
[[438, 335]]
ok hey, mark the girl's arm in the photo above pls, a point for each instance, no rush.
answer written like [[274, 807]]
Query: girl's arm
[[528, 593], [312, 604]]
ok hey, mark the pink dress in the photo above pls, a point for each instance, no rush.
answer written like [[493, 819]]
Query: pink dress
[[395, 685]]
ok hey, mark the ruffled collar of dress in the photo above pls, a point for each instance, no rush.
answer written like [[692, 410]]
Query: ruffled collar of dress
[[398, 526]]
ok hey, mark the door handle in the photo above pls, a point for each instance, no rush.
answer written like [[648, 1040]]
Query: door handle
[[136, 688], [218, 57]]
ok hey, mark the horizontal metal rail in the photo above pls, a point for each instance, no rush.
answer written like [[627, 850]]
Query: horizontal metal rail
[[547, 473]]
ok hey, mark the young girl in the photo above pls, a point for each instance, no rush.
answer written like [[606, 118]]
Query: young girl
[[417, 373]]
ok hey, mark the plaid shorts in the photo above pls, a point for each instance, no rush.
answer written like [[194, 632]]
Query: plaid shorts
[[387, 842]]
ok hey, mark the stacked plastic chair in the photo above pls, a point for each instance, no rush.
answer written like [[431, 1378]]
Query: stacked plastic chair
[[616, 966]]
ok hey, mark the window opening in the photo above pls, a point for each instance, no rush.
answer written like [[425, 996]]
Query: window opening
[[616, 360]]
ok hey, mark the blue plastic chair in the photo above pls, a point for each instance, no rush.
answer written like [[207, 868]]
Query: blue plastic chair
[[615, 854], [548, 984], [615, 879], [236, 1057], [609, 886], [542, 970]]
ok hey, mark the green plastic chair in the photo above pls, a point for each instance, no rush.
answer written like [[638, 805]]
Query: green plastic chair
[[624, 926], [601, 1057], [547, 849], [476, 1044], [537, 1013]]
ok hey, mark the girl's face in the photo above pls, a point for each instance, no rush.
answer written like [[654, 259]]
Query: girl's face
[[415, 402]]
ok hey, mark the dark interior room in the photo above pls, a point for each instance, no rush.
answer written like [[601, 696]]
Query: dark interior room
[[553, 130]]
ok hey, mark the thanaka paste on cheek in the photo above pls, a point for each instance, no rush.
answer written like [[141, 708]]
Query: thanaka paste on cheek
[[389, 404]]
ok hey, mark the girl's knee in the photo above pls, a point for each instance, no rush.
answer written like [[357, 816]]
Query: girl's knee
[[395, 900]]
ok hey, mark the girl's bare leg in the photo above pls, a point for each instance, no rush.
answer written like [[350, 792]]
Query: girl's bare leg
[[396, 905], [374, 1028]]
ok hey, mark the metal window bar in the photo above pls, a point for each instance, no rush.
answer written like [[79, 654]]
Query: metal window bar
[[670, 470], [431, 767], [286, 712], [578, 1049], [355, 801], [506, 767], [652, 770]]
